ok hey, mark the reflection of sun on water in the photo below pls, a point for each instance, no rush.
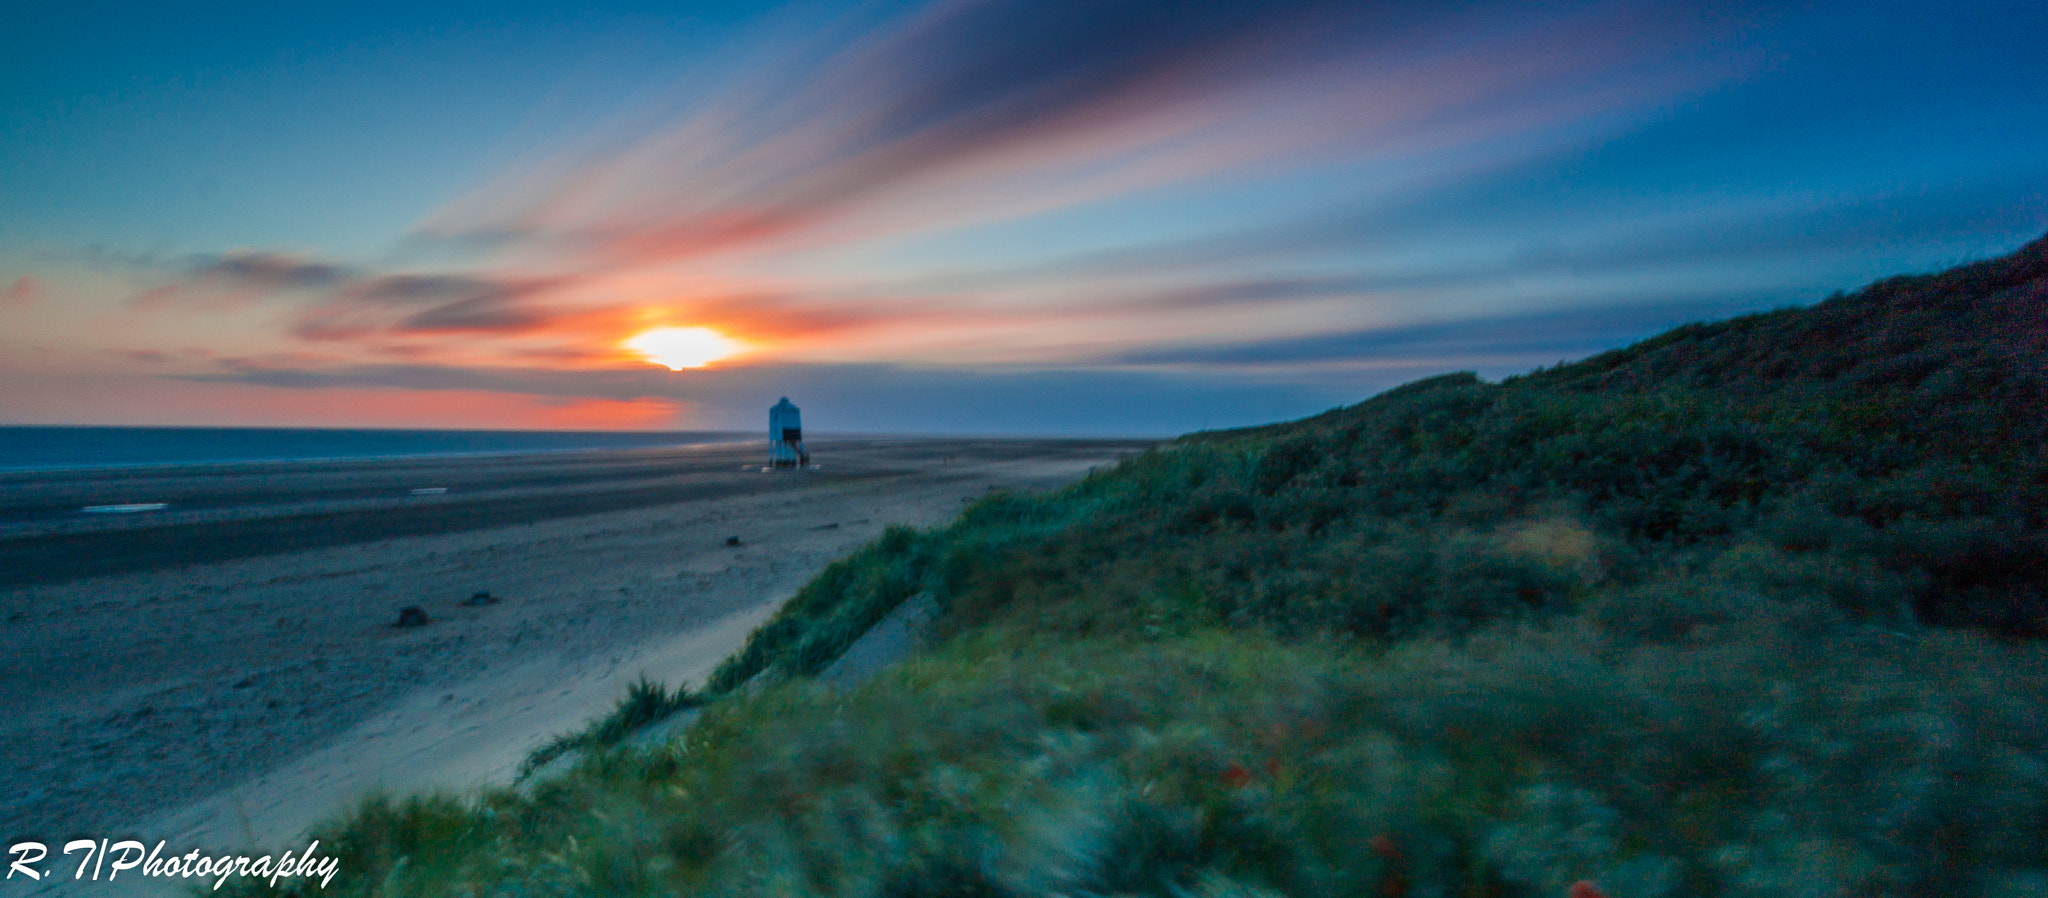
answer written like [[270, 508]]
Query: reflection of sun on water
[[683, 347]]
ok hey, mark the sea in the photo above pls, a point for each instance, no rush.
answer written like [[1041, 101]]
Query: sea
[[58, 448]]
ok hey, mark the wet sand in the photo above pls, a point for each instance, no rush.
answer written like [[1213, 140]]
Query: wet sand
[[223, 673]]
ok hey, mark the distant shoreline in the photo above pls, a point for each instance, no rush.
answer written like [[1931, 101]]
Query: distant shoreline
[[107, 467], [33, 449]]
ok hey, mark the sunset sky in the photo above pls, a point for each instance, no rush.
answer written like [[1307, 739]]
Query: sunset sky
[[1053, 216]]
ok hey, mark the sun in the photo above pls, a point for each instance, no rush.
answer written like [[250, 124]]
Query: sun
[[683, 347]]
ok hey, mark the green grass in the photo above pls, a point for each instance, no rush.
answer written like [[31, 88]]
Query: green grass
[[645, 702], [1750, 608], [1512, 762]]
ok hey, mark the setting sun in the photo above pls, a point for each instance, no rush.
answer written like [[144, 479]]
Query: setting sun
[[683, 347]]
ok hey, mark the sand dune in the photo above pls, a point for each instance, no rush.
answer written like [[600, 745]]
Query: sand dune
[[233, 702]]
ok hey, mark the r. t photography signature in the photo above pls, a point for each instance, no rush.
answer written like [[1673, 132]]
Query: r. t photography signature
[[99, 857]]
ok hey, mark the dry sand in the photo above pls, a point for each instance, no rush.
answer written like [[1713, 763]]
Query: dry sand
[[234, 702]]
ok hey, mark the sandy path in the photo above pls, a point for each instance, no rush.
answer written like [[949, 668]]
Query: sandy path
[[475, 734], [219, 705]]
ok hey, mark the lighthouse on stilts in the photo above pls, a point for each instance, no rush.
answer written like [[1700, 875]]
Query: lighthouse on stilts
[[786, 437]]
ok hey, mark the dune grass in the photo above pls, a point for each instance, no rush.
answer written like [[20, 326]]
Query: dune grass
[[645, 703], [1511, 762], [1751, 608]]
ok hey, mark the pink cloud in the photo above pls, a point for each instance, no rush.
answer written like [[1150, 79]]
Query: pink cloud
[[26, 290]]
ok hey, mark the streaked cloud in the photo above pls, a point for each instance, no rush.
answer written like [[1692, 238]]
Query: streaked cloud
[[1001, 203], [968, 112], [779, 210], [146, 356], [1523, 340], [237, 278], [407, 304]]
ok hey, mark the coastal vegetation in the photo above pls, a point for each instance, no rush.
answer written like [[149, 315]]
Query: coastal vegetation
[[1753, 608]]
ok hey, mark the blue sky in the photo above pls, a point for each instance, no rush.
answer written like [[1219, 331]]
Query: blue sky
[[981, 215]]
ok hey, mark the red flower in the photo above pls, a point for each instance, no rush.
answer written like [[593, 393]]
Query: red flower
[[1584, 889], [1236, 775]]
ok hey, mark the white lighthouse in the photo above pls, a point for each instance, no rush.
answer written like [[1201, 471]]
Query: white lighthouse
[[786, 437]]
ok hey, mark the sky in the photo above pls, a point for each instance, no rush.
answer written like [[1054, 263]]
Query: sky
[[964, 216]]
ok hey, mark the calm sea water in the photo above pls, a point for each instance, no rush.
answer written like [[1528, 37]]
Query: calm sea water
[[81, 447]]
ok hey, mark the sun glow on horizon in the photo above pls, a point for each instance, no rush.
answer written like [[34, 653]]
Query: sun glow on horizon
[[676, 348]]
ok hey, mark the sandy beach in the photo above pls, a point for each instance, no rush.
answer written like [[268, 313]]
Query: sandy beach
[[224, 672]]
